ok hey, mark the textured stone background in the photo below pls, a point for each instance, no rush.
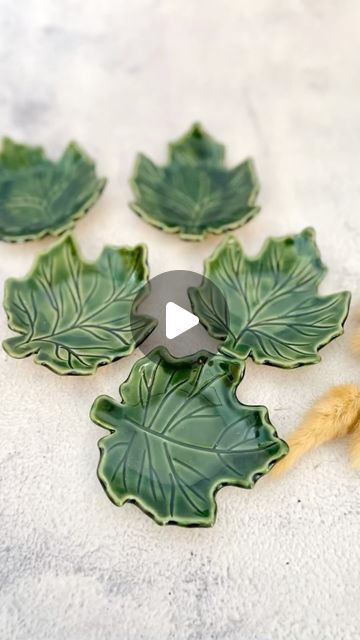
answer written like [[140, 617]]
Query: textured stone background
[[275, 79]]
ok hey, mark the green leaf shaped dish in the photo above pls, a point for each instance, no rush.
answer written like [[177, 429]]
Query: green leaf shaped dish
[[194, 194], [76, 315], [179, 434], [38, 196], [274, 312]]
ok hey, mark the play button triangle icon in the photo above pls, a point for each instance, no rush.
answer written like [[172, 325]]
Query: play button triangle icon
[[164, 303], [178, 320]]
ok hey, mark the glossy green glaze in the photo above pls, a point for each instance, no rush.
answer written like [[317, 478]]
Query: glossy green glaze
[[38, 197], [75, 315], [275, 314], [194, 194], [179, 434]]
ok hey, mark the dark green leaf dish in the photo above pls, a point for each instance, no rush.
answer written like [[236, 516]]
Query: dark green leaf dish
[[179, 434], [275, 314], [194, 194], [75, 315], [38, 196]]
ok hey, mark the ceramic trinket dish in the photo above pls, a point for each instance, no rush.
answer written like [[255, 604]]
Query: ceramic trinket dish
[[273, 312], [39, 196], [179, 434], [75, 315], [195, 194]]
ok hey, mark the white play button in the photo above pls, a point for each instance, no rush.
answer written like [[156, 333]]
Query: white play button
[[178, 320], [165, 304]]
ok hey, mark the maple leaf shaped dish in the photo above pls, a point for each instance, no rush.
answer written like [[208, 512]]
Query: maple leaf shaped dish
[[274, 312], [40, 197], [75, 315], [195, 194], [179, 434]]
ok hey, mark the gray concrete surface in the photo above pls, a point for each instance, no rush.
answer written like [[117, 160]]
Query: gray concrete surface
[[275, 79]]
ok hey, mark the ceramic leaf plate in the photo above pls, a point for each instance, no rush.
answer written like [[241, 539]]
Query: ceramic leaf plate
[[38, 196], [195, 194], [179, 434], [275, 314], [75, 315]]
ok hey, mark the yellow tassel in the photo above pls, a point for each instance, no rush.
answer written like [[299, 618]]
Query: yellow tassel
[[355, 447], [333, 416], [356, 342]]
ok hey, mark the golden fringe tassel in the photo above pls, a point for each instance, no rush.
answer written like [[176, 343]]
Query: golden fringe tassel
[[355, 447], [333, 416], [356, 342]]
